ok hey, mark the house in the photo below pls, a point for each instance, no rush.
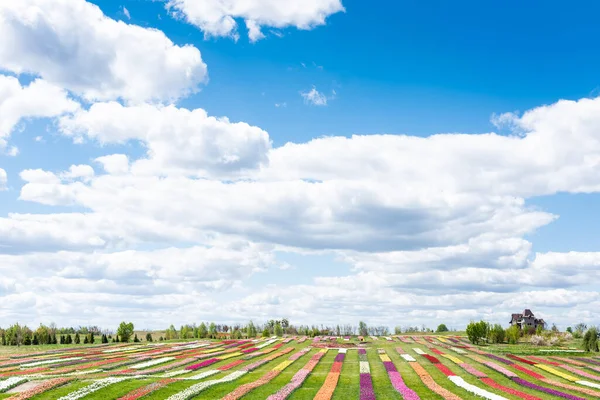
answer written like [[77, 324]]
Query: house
[[527, 320]]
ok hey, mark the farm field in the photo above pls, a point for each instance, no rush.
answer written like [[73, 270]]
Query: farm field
[[399, 367]]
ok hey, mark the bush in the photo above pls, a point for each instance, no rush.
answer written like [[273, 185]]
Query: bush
[[148, 337], [513, 334], [590, 340], [537, 340], [442, 328], [77, 338]]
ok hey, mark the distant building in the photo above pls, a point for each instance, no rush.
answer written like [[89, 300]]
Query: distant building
[[527, 320]]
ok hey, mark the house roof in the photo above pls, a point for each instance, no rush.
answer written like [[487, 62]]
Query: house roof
[[527, 313]]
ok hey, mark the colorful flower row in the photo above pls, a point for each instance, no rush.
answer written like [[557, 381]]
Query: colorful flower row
[[41, 388], [366, 382], [299, 378], [396, 378], [94, 387], [431, 384], [266, 378], [152, 363], [10, 383], [144, 390], [169, 366], [553, 392], [231, 365], [202, 364], [45, 362], [196, 389], [265, 360], [326, 391]]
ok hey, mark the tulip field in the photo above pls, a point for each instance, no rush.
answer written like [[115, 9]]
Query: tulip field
[[399, 367]]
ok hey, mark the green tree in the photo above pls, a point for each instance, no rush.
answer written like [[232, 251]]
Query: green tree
[[590, 339], [212, 330], [278, 330], [513, 334], [477, 331], [77, 338], [569, 329], [362, 329], [148, 337], [236, 334], [86, 340], [104, 339], [125, 331], [539, 330], [251, 330], [202, 331], [496, 334], [27, 339], [266, 332], [442, 328], [135, 339], [579, 330]]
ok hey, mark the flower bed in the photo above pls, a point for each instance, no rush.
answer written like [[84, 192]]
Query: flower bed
[[326, 391], [580, 372], [396, 379], [266, 378], [10, 383], [366, 382], [94, 387], [431, 384], [299, 378], [230, 365], [152, 363], [502, 370], [553, 392], [41, 388], [460, 382], [196, 389], [141, 392]]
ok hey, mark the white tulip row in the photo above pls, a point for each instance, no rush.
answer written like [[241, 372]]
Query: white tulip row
[[10, 383], [590, 384], [94, 387], [54, 361], [344, 351], [418, 351], [457, 350], [458, 381], [203, 375], [408, 357], [364, 367], [175, 373], [194, 390], [267, 343], [152, 362], [120, 349]]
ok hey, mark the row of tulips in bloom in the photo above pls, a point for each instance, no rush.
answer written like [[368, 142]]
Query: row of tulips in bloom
[[515, 378], [584, 388], [326, 391], [366, 381], [266, 378], [299, 378], [396, 378]]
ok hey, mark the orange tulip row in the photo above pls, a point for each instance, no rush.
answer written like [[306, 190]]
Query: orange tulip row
[[331, 381], [431, 384]]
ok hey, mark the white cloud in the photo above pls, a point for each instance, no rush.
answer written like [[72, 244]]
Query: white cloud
[[3, 179], [126, 12], [114, 164], [36, 100], [217, 18], [178, 140], [72, 44], [314, 97], [282, 105]]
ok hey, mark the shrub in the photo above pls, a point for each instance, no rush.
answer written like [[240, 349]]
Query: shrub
[[537, 340], [590, 340], [442, 328], [148, 337], [77, 338], [513, 334]]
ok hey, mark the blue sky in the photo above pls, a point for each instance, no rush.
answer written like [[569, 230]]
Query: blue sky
[[319, 215]]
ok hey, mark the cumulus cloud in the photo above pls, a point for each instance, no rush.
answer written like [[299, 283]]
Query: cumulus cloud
[[72, 44], [218, 18], [37, 100], [177, 139]]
